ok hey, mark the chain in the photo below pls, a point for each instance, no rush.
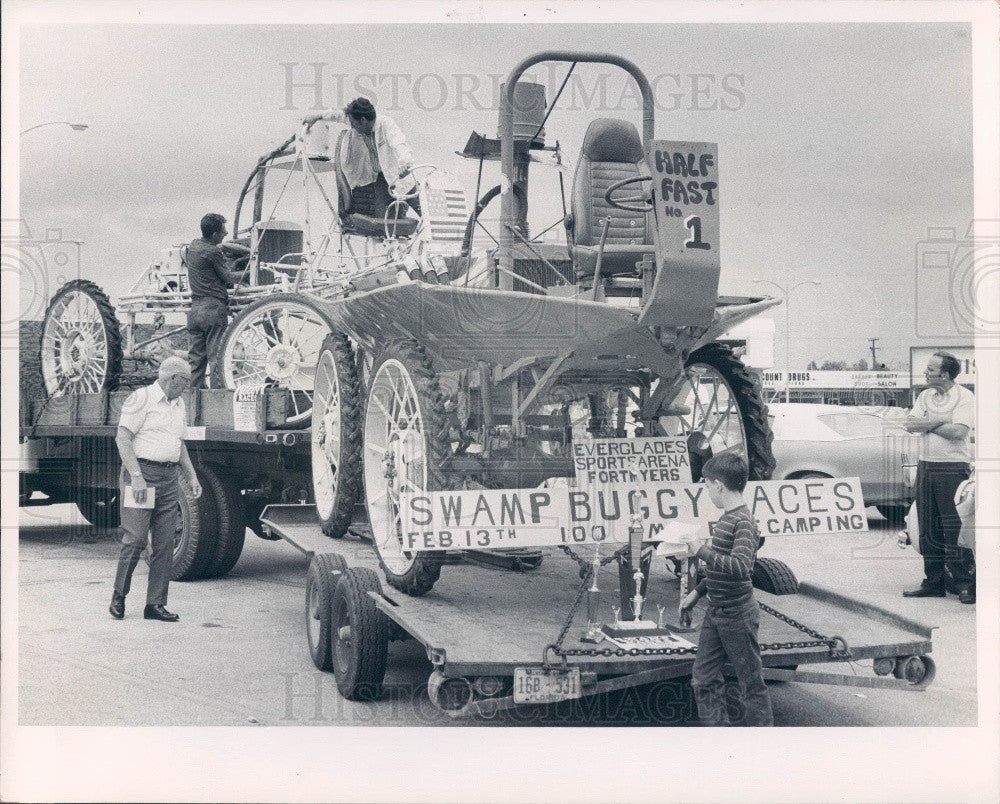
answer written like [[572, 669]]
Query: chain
[[584, 563], [837, 645]]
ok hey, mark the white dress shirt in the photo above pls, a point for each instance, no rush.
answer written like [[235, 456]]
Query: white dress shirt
[[958, 405], [392, 153], [157, 424]]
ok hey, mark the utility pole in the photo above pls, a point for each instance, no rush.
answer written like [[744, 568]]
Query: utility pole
[[874, 359]]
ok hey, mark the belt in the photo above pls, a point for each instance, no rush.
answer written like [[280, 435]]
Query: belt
[[161, 464]]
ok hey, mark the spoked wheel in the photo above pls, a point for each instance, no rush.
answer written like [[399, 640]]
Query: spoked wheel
[[336, 436], [405, 444], [276, 341], [81, 345], [718, 405]]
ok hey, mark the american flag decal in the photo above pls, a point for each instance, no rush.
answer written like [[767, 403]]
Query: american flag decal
[[446, 213]]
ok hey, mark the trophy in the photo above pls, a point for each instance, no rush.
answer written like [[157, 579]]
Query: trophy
[[594, 633], [633, 577]]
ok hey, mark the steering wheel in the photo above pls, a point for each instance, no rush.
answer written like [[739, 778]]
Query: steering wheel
[[408, 196], [624, 203]]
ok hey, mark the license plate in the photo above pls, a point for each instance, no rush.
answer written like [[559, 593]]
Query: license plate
[[534, 685]]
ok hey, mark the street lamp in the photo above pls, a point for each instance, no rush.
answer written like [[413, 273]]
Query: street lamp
[[785, 294], [74, 126]]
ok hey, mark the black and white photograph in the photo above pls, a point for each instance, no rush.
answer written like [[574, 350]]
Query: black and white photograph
[[459, 401]]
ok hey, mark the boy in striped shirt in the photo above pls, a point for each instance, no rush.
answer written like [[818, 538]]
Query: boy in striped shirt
[[729, 630]]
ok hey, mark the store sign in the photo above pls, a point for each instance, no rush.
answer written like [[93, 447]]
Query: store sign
[[502, 518], [837, 380]]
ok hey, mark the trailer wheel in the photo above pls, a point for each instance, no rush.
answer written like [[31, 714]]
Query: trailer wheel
[[360, 636], [773, 576], [100, 507], [223, 513], [195, 539], [81, 342], [320, 585], [275, 341], [405, 444], [336, 436], [718, 404]]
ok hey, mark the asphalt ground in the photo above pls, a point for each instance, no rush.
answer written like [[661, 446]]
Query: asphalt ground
[[238, 656]]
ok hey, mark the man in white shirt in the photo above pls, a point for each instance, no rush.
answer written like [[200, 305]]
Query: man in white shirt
[[151, 444], [375, 153], [945, 415]]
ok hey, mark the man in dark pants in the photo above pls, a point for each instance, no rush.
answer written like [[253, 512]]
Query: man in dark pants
[[150, 441], [944, 414], [208, 277]]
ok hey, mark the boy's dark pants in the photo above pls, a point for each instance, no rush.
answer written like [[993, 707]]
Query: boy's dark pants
[[730, 634]]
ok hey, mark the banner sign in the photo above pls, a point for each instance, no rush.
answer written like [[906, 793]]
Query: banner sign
[[503, 518], [633, 460], [837, 380]]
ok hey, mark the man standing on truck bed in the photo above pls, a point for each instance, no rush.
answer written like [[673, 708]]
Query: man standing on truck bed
[[150, 441], [209, 277]]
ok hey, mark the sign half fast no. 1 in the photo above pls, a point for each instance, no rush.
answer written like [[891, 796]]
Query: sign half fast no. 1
[[501, 518]]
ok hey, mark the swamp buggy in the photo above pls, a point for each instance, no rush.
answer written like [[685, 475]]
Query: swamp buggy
[[425, 363]]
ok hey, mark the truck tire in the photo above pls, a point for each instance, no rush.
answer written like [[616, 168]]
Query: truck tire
[[195, 540], [100, 507], [320, 585], [360, 636], [408, 436], [335, 438], [776, 577], [223, 507], [79, 359], [745, 391]]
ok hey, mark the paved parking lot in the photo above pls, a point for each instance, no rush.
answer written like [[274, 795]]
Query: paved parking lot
[[238, 656]]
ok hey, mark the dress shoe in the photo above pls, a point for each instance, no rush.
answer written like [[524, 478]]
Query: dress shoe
[[967, 596], [117, 607], [926, 591], [157, 612]]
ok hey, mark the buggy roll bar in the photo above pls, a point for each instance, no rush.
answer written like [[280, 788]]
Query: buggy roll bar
[[507, 133]]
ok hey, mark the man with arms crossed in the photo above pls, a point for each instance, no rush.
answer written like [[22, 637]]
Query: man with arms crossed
[[150, 441], [944, 415]]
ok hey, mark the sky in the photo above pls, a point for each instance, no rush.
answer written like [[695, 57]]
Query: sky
[[840, 145]]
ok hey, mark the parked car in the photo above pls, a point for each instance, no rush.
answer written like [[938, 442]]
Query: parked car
[[842, 441]]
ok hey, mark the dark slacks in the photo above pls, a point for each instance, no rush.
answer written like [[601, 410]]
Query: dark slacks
[[137, 523], [730, 634], [373, 199], [207, 322], [946, 565]]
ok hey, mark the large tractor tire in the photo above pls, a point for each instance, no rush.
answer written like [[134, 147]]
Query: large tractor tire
[[224, 514], [81, 342], [321, 581], [196, 536], [773, 576], [405, 445], [276, 342], [336, 436], [360, 636], [720, 407]]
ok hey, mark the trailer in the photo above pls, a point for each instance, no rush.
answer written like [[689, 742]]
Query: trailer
[[500, 642]]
